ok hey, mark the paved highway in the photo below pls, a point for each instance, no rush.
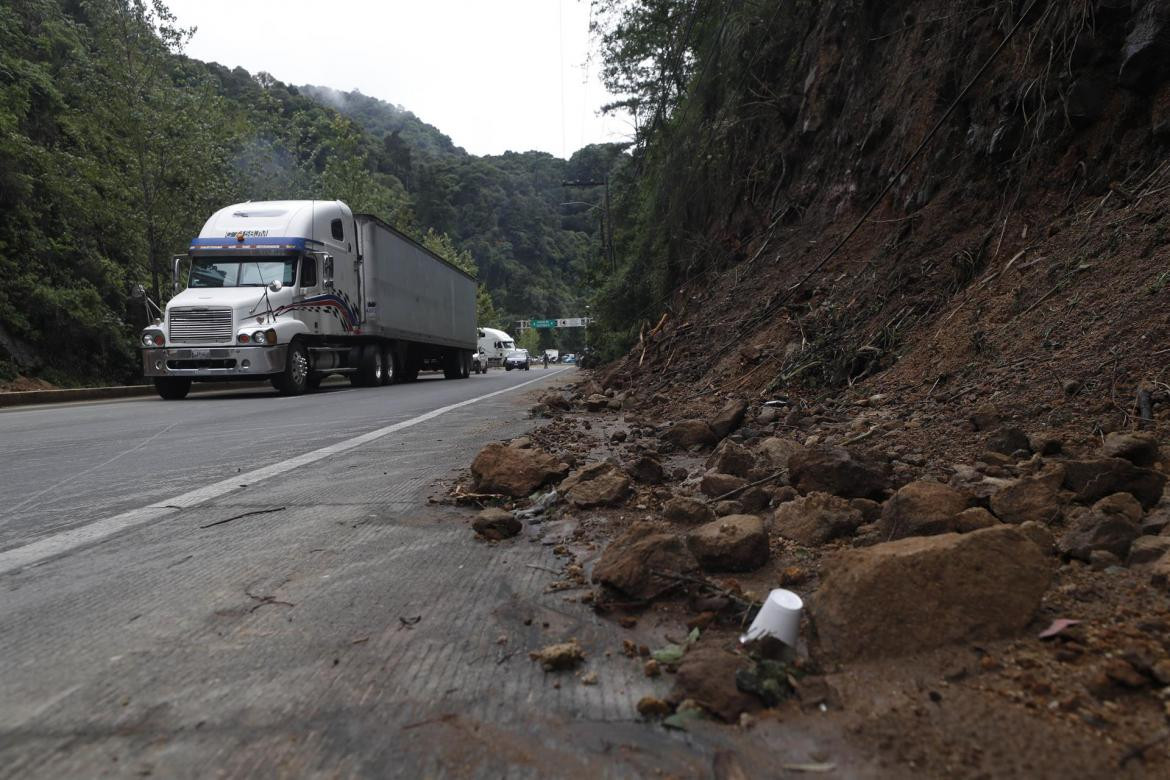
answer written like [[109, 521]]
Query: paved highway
[[241, 585]]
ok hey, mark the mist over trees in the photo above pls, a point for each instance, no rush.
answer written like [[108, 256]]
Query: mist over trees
[[115, 147]]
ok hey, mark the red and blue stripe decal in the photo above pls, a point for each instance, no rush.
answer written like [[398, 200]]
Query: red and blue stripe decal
[[335, 304]]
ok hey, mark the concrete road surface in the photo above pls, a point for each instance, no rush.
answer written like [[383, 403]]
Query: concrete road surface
[[241, 584]]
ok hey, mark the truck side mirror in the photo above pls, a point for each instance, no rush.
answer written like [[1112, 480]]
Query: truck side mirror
[[327, 272], [176, 273]]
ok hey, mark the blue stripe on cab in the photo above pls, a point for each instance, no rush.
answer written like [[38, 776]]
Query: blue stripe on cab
[[259, 242]]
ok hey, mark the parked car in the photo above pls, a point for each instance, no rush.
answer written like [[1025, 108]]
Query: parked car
[[518, 359], [569, 358]]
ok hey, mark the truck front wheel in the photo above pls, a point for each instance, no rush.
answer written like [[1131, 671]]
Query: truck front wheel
[[294, 380], [172, 388]]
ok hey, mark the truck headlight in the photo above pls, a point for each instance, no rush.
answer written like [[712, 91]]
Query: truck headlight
[[153, 339], [258, 337]]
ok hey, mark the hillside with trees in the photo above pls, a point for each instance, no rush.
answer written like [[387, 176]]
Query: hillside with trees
[[114, 147]]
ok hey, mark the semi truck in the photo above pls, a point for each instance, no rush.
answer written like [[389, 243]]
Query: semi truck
[[495, 345], [294, 291]]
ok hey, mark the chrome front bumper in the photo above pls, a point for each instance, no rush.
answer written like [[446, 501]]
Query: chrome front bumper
[[214, 362]]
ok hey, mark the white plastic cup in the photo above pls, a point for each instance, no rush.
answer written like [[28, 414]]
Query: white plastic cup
[[779, 618]]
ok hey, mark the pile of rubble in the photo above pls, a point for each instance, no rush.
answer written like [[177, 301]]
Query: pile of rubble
[[893, 556]]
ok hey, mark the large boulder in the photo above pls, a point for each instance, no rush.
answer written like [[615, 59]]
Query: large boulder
[[634, 562], [691, 511], [1032, 498], [921, 509], [691, 433], [732, 543], [513, 471], [715, 485], [1092, 480], [838, 471], [1112, 525], [729, 417], [731, 458], [1140, 449], [496, 524], [597, 484], [923, 592], [775, 452], [816, 518]]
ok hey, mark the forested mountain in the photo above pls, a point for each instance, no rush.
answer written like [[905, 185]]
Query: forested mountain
[[114, 147]]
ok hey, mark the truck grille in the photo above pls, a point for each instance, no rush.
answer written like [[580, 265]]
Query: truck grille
[[201, 326]]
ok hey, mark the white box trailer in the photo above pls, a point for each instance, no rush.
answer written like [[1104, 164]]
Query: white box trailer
[[294, 291]]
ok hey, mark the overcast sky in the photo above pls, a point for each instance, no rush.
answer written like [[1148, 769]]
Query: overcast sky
[[494, 75]]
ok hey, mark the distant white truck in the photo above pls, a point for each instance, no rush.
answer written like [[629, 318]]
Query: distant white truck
[[552, 354], [495, 345], [293, 291]]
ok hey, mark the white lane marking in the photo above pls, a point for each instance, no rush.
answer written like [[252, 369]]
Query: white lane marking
[[32, 554]]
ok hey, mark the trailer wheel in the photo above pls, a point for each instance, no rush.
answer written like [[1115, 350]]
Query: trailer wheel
[[370, 367], [451, 364], [172, 388], [464, 364], [294, 380], [389, 366]]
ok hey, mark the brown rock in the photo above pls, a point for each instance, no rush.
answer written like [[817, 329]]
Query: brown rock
[[646, 469], [559, 657], [985, 418], [496, 524], [921, 509], [1140, 449], [839, 472], [1033, 498], [816, 519], [729, 417], [714, 484], [513, 471], [1160, 572], [1039, 534], [707, 676], [596, 402], [1046, 443], [731, 458], [1092, 480], [1008, 441], [683, 509], [691, 433], [629, 563], [650, 708], [923, 592], [1112, 524], [973, 519], [871, 511], [1147, 549], [755, 499], [774, 452], [555, 401], [733, 543], [1156, 522], [783, 494], [597, 484], [728, 507]]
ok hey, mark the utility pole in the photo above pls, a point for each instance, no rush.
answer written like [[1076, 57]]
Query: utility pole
[[607, 222]]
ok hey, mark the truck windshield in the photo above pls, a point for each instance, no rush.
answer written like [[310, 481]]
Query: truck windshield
[[242, 272]]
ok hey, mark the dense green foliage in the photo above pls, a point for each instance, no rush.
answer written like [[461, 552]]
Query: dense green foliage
[[114, 147]]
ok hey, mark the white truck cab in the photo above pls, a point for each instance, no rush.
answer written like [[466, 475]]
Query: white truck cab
[[495, 344]]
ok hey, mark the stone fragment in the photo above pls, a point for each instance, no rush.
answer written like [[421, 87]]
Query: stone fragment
[[691, 511], [1147, 549], [1092, 480], [973, 519], [1140, 449], [1039, 534], [714, 484], [728, 507], [731, 458], [839, 472], [755, 499], [1112, 524], [496, 524], [729, 417], [1032, 498], [774, 452], [923, 592], [732, 543], [691, 433], [646, 469], [871, 511], [632, 562], [706, 675], [1008, 441], [555, 401], [650, 708], [816, 518], [596, 402], [513, 471], [596, 484], [921, 509], [559, 657], [985, 417]]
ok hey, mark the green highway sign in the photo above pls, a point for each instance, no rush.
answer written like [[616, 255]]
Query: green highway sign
[[543, 323]]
